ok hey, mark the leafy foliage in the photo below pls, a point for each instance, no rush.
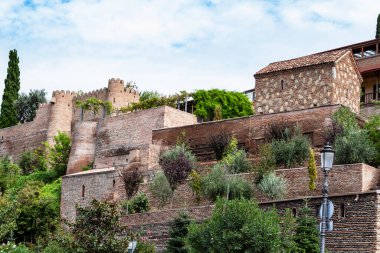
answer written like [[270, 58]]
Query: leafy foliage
[[132, 180], [378, 27], [146, 95], [373, 129], [237, 162], [178, 230], [217, 113], [312, 170], [11, 247], [354, 147], [34, 160], [275, 187], [138, 204], [195, 184], [288, 231], [292, 150], [58, 154], [233, 104], [145, 247], [219, 143], [94, 104], [97, 227], [277, 130], [160, 188], [8, 174], [346, 118], [237, 226], [266, 163], [219, 184], [27, 104], [177, 164], [8, 116], [331, 132]]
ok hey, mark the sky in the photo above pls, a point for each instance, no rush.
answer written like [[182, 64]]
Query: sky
[[170, 45]]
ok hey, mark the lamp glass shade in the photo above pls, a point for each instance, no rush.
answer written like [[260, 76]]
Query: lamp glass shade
[[327, 159]]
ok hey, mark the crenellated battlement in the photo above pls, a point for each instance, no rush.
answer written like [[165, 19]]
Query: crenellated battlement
[[99, 93]]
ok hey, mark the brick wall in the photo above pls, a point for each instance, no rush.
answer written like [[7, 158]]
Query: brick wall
[[248, 130], [28, 136]]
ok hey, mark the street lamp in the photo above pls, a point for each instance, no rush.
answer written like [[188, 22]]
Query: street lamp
[[327, 159], [132, 246]]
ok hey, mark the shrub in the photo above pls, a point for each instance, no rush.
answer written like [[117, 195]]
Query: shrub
[[266, 163], [373, 130], [145, 247], [160, 188], [31, 161], [237, 162], [219, 143], [9, 173], [132, 180], [331, 132], [277, 130], [275, 187], [195, 184], [236, 226], [138, 204], [177, 164], [354, 147], [312, 170], [291, 152], [58, 155], [10, 247], [178, 230], [346, 118], [218, 183], [307, 234]]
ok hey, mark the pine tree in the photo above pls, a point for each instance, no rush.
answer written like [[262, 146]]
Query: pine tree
[[178, 231], [378, 27], [307, 235], [8, 116]]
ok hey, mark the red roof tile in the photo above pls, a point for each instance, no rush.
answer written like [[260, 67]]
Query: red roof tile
[[304, 61]]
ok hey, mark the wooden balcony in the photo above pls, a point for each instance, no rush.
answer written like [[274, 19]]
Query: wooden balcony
[[370, 98]]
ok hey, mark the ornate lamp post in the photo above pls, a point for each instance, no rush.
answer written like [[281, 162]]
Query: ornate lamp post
[[327, 159]]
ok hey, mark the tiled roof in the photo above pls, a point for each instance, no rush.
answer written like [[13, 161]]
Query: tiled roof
[[304, 61]]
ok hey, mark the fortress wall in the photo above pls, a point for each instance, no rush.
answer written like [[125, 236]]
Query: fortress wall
[[89, 115], [83, 146], [23, 137], [118, 135], [249, 131], [346, 85]]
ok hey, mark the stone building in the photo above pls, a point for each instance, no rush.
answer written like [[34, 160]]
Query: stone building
[[315, 80]]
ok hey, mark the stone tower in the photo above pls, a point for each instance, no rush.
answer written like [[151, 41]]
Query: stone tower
[[120, 96]]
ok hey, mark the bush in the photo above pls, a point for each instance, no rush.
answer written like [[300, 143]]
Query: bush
[[145, 247], [31, 161], [266, 163], [331, 132], [346, 118], [307, 234], [138, 204], [195, 184], [58, 155], [354, 147], [373, 130], [10, 247], [178, 230], [219, 143], [277, 130], [218, 183], [132, 180], [275, 187], [236, 226], [9, 173], [160, 188], [177, 164], [237, 162], [291, 152]]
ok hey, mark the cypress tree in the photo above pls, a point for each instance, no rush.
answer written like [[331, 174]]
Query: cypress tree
[[378, 27], [8, 116]]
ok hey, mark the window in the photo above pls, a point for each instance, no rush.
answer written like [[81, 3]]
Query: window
[[114, 100], [83, 190], [282, 84], [294, 212], [113, 183], [342, 210]]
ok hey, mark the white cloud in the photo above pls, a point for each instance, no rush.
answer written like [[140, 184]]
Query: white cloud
[[171, 45]]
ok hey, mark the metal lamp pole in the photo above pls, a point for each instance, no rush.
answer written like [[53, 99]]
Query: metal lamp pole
[[327, 158]]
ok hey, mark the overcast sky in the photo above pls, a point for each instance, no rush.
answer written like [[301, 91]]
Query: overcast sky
[[170, 45]]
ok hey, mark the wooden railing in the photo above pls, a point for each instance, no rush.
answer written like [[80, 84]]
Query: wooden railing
[[369, 97]]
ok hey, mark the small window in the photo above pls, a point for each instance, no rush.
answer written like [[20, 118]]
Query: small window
[[83, 190], [294, 212], [342, 210], [282, 84], [114, 100], [113, 183]]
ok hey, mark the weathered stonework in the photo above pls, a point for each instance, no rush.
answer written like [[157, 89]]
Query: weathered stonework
[[336, 82]]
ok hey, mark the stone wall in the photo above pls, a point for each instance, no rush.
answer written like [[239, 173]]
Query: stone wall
[[308, 87], [346, 85], [23, 137], [118, 135], [370, 110], [249, 131]]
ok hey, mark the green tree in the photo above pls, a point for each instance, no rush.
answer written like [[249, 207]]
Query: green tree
[[233, 104], [97, 227], [378, 27], [8, 116], [312, 170], [27, 104], [373, 129], [9, 172], [160, 188], [237, 226], [178, 230], [145, 95], [58, 155], [307, 235]]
